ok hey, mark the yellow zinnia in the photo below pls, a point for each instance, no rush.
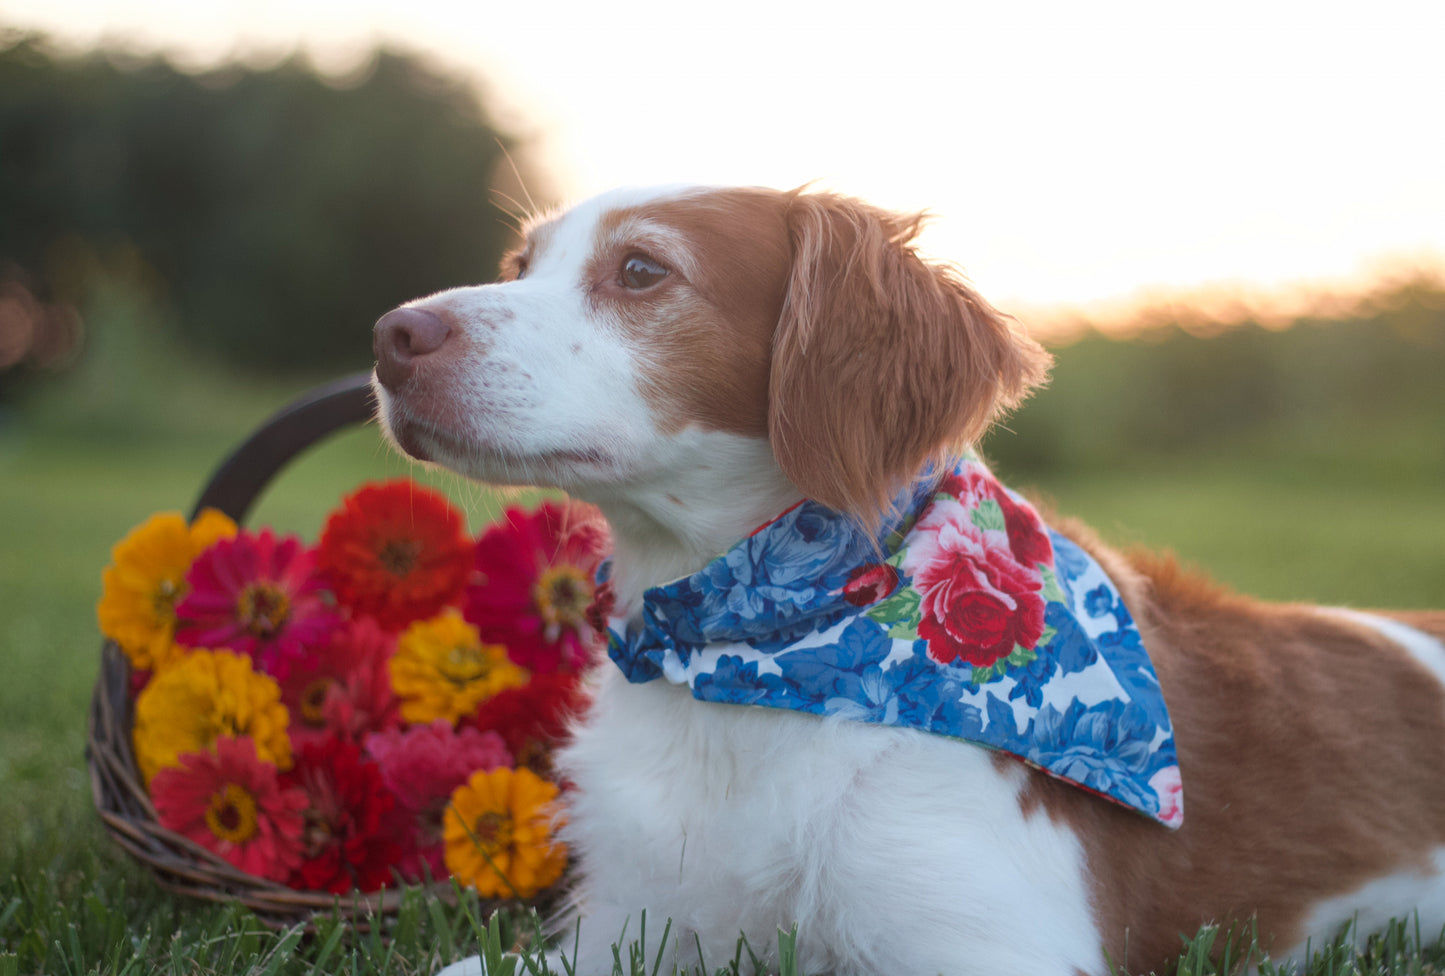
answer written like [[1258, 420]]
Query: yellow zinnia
[[498, 833], [200, 697], [147, 578], [441, 669]]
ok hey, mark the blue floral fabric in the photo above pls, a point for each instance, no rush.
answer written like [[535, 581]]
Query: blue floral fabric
[[964, 616]]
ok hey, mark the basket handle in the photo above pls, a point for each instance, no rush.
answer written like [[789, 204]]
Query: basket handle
[[237, 482]]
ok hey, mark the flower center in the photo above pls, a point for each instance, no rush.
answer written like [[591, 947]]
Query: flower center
[[262, 609], [399, 556], [232, 814], [164, 599], [562, 595], [313, 700], [493, 831], [464, 663], [317, 834]]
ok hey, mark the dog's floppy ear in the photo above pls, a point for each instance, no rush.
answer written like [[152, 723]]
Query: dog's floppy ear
[[881, 361]]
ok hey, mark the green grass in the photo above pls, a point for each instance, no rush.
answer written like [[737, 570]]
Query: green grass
[[1280, 530], [94, 456]]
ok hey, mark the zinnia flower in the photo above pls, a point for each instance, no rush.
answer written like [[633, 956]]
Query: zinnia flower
[[201, 697], [147, 577], [422, 766], [343, 688], [231, 802], [349, 839], [534, 582], [396, 551], [258, 595], [498, 834], [534, 718], [441, 669]]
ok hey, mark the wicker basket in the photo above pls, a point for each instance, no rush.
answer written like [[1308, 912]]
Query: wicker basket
[[120, 796]]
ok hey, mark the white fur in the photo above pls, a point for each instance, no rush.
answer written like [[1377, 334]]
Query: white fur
[[1428, 652], [1413, 895], [893, 849]]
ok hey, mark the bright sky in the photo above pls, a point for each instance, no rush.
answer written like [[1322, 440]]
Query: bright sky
[[1074, 153]]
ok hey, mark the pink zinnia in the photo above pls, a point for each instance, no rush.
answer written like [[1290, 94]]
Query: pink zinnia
[[533, 583], [258, 595], [422, 766], [343, 687], [231, 802]]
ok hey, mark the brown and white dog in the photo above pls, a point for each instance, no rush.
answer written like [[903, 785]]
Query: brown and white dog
[[694, 361]]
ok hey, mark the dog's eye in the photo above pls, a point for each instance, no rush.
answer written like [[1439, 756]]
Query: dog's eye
[[639, 271]]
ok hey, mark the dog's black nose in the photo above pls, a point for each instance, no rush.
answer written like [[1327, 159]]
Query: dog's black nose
[[402, 336]]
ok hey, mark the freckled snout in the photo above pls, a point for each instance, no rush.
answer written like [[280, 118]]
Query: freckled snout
[[400, 338]]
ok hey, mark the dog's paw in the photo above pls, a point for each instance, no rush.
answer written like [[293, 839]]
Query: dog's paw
[[471, 966], [509, 963]]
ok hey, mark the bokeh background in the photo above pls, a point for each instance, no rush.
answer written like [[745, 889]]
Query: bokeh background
[[1227, 222]]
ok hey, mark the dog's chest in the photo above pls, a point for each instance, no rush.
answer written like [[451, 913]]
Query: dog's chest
[[772, 815]]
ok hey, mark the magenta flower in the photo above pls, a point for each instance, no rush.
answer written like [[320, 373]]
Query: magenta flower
[[257, 595], [534, 582], [342, 688]]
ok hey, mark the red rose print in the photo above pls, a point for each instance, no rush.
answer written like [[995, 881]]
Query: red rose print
[[869, 584], [1027, 539], [977, 601]]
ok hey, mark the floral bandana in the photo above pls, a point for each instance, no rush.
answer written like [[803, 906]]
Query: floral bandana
[[966, 617]]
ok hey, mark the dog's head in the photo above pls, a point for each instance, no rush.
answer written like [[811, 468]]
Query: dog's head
[[636, 334]]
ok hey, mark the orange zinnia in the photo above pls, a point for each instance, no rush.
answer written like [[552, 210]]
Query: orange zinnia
[[498, 834], [441, 669]]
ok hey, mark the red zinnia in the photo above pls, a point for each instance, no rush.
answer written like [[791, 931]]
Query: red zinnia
[[258, 595], [230, 801], [349, 837], [534, 582], [344, 687], [395, 551]]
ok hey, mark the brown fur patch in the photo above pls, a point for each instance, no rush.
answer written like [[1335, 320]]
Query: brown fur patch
[[882, 361], [1310, 750], [704, 335]]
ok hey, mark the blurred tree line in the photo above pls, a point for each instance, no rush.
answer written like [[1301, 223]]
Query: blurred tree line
[[267, 215], [1366, 379]]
